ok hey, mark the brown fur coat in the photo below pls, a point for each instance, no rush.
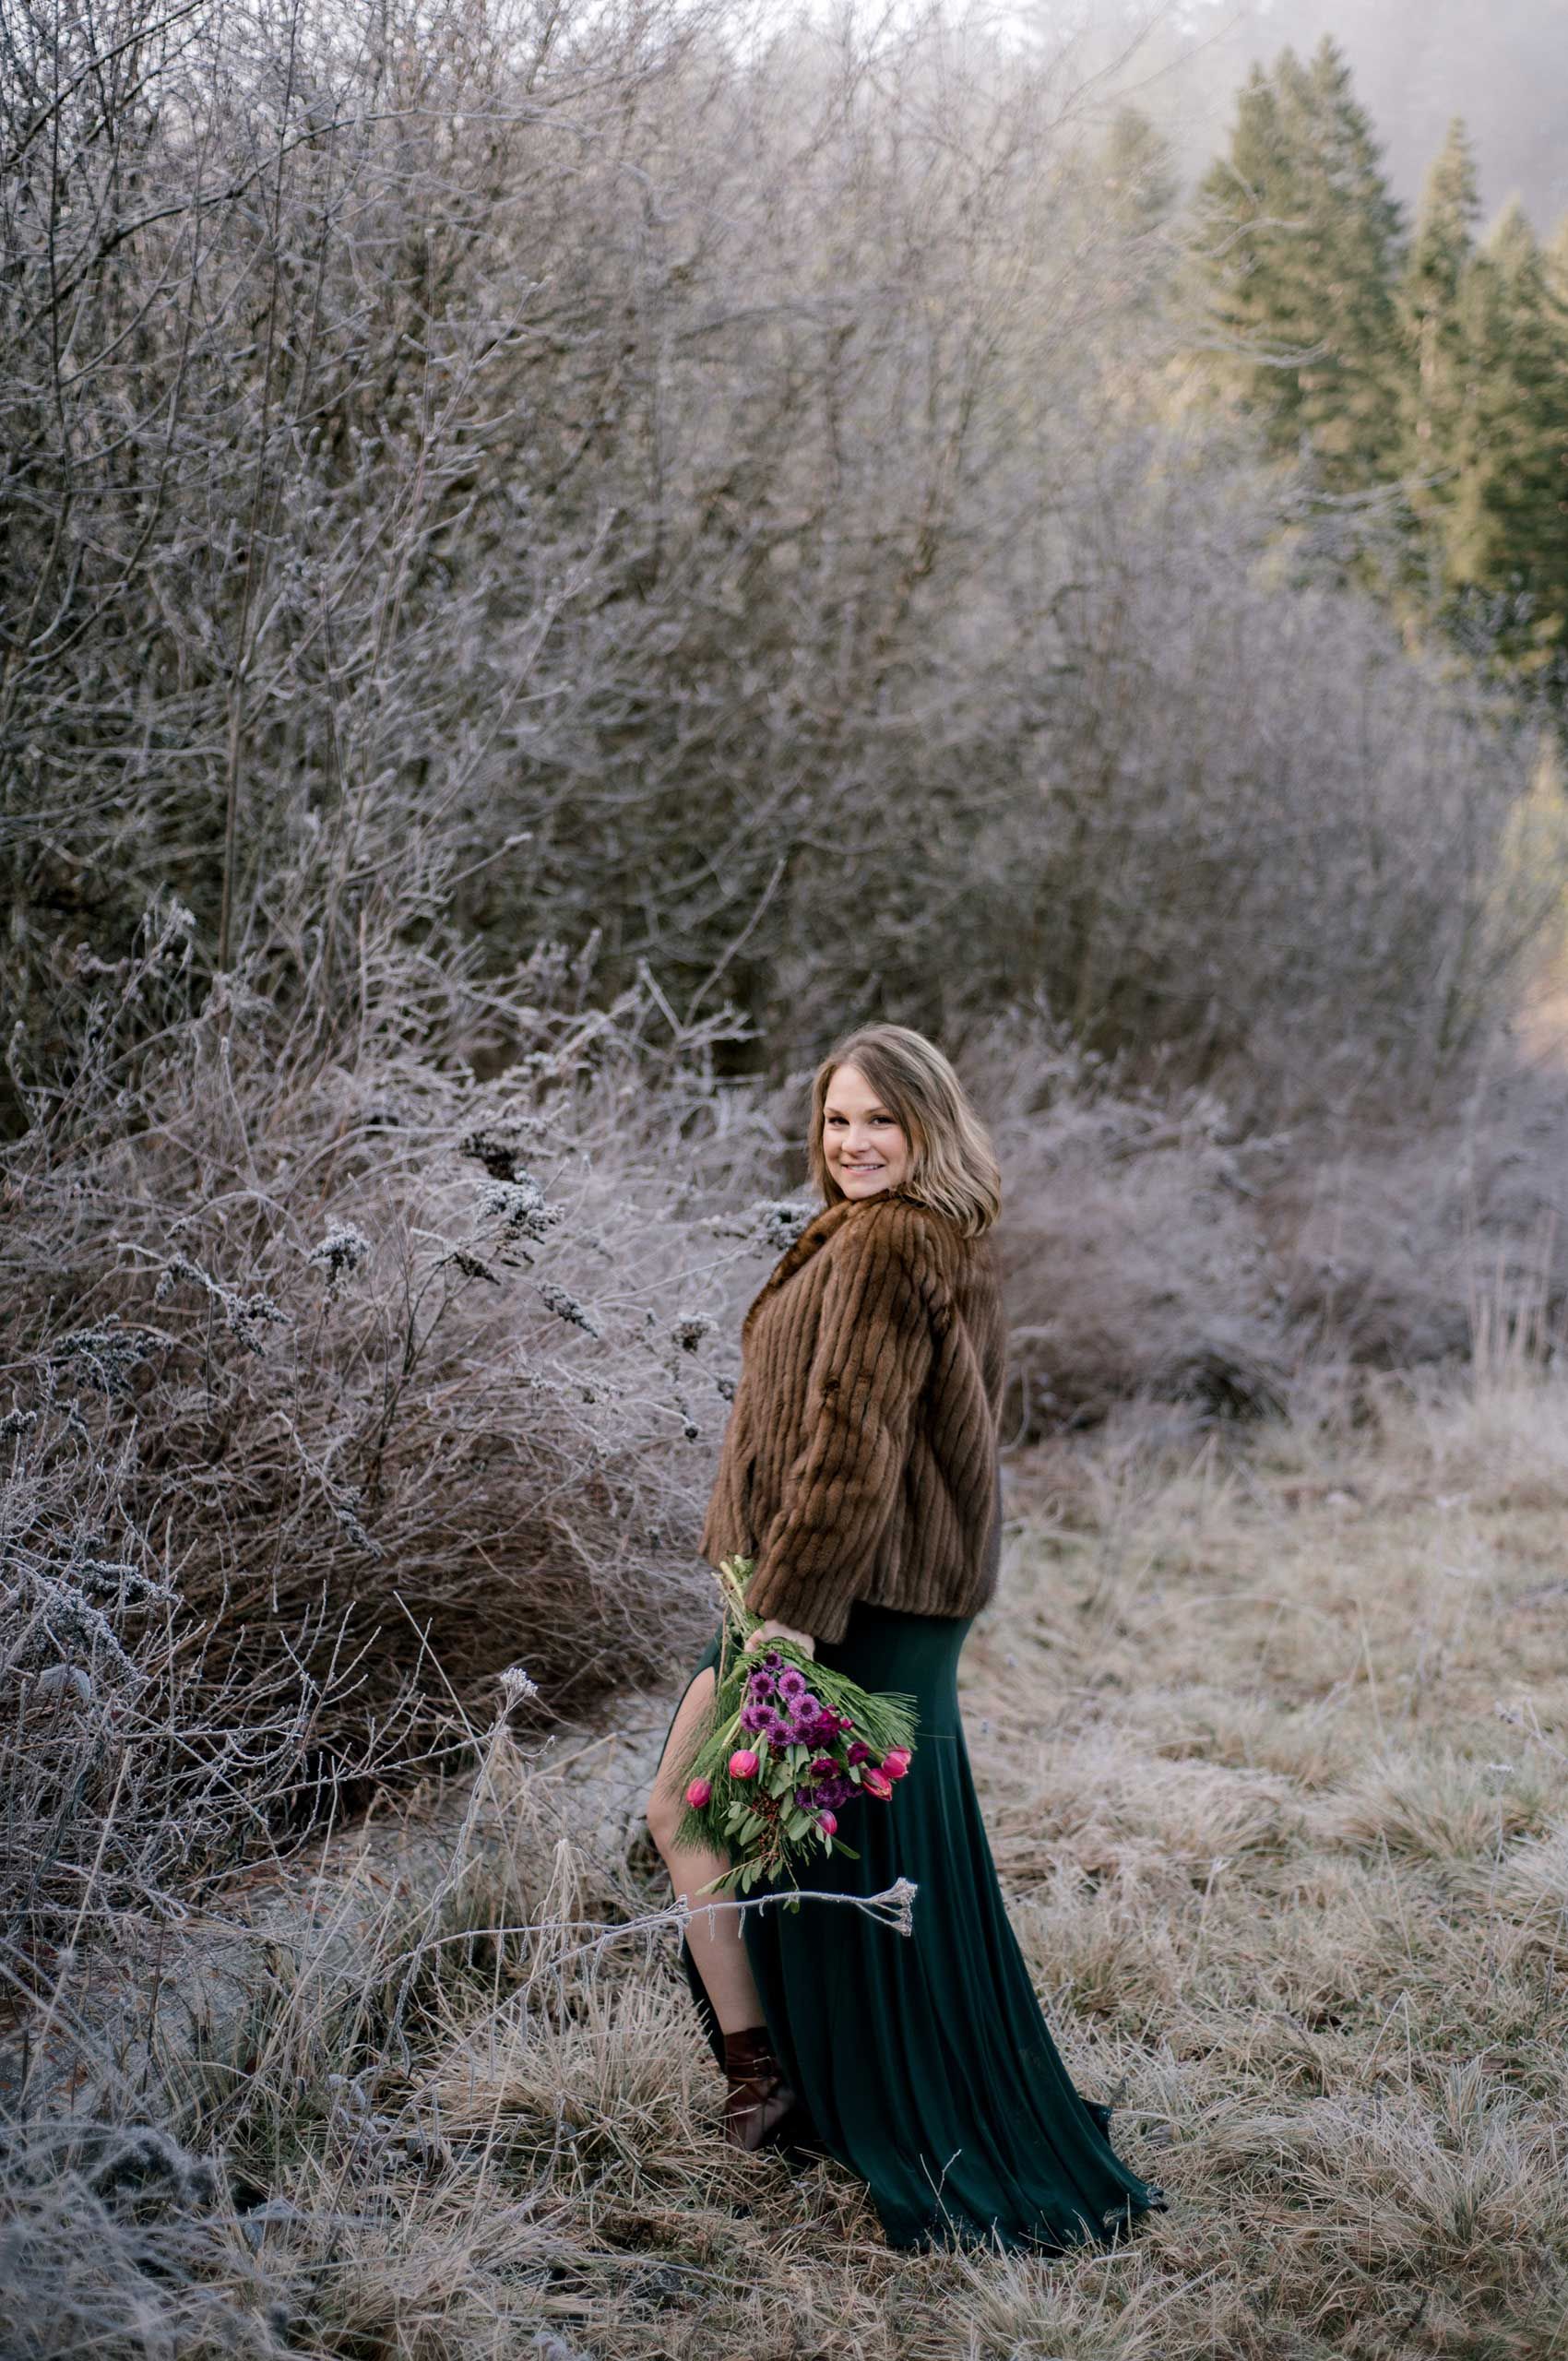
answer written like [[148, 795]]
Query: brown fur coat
[[859, 1457]]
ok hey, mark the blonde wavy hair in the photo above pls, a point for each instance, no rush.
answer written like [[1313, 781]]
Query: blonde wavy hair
[[952, 1166]]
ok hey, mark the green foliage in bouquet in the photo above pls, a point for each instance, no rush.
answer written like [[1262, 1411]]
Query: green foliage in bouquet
[[787, 1745]]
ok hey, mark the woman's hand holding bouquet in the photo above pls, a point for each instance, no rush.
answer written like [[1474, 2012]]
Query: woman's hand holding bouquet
[[772, 1630], [784, 1751]]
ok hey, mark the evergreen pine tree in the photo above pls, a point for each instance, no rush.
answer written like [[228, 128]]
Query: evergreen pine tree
[[1138, 176], [1515, 540], [1248, 206], [1556, 262], [1298, 240], [1439, 379], [1485, 331], [1133, 193], [1350, 399]]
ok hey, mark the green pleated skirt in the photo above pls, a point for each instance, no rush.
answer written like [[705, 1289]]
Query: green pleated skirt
[[923, 2060]]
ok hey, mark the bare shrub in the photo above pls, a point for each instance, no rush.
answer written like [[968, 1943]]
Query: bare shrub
[[1411, 1244], [578, 471], [1156, 1242], [340, 1379], [1132, 1257], [533, 436], [1218, 816], [118, 2241]]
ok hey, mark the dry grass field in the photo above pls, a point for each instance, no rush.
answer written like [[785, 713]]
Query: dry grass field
[[1271, 1732]]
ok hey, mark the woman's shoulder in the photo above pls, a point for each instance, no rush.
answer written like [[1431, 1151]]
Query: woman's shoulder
[[895, 1226]]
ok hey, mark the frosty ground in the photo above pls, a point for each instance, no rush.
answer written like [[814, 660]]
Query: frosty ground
[[1271, 1728]]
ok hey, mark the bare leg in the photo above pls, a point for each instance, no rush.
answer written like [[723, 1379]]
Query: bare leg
[[714, 1936]]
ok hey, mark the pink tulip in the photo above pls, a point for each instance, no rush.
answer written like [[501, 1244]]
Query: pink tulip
[[744, 1763], [896, 1762], [876, 1783], [828, 1822], [699, 1793]]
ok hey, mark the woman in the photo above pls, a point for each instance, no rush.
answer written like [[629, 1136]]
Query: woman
[[859, 1469]]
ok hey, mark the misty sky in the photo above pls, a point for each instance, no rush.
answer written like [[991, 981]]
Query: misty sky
[[1501, 63], [1416, 64]]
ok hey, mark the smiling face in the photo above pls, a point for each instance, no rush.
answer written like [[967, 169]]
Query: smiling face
[[865, 1145]]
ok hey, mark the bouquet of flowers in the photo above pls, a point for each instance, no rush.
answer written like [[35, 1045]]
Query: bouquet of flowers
[[789, 1743]]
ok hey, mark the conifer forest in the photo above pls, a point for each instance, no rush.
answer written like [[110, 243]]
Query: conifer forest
[[556, 556]]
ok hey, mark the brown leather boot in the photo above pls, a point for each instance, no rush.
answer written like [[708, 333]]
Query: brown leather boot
[[759, 2099]]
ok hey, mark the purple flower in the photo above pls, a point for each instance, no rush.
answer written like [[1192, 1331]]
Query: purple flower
[[827, 1794], [760, 1685], [791, 1684], [773, 1660], [809, 1707]]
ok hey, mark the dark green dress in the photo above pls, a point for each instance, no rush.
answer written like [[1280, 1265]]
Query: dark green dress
[[924, 2059]]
